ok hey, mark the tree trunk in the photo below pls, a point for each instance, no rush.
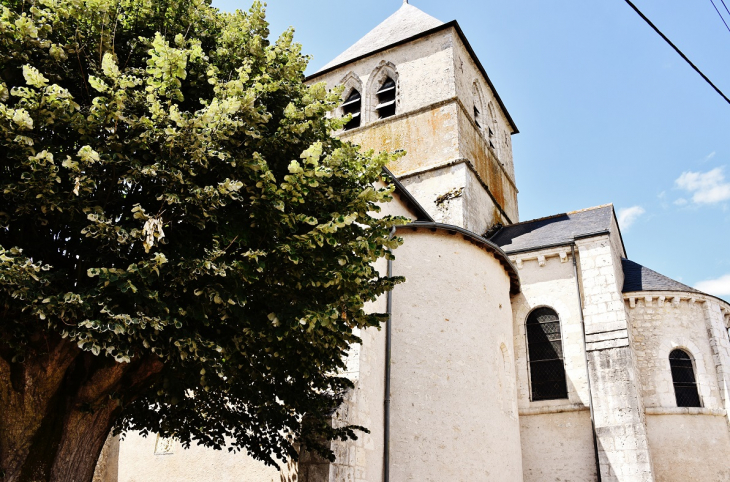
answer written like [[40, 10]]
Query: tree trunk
[[57, 408]]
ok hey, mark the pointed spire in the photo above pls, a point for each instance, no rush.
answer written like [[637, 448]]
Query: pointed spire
[[404, 23]]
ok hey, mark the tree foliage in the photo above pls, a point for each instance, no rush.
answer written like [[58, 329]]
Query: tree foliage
[[172, 195]]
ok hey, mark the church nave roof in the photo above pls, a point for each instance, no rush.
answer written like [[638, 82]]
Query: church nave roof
[[556, 230]]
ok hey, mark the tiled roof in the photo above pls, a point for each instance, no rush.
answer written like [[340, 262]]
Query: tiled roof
[[407, 22], [641, 278], [554, 230]]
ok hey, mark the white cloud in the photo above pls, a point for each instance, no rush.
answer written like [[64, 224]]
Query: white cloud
[[706, 187], [710, 156], [627, 216], [681, 201], [717, 287]]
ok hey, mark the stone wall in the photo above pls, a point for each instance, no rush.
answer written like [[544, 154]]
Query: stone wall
[[429, 136], [717, 318], [142, 459], [466, 75], [474, 147], [454, 411], [436, 139], [686, 443], [454, 194], [441, 192], [558, 446], [623, 447], [689, 447], [557, 438], [661, 322]]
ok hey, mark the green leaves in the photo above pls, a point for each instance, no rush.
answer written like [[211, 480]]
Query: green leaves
[[88, 155], [173, 191], [33, 77]]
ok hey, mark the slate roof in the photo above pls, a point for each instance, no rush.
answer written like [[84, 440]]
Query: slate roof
[[406, 22], [556, 230], [641, 278]]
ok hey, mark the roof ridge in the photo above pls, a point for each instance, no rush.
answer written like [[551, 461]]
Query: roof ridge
[[560, 214], [591, 208]]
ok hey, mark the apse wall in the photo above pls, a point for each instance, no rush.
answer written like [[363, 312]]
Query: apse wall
[[686, 443], [454, 402]]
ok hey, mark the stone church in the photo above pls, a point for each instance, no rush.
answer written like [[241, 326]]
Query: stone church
[[517, 350]]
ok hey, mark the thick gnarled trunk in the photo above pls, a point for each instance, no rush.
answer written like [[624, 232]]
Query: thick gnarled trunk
[[57, 408]]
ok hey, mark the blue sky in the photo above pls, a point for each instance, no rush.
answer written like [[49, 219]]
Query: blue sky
[[607, 111]]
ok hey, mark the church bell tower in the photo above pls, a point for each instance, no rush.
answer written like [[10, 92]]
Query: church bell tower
[[413, 83]]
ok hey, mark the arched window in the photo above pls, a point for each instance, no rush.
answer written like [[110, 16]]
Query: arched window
[[477, 116], [353, 105], [386, 99], [545, 353], [683, 376], [478, 106], [492, 127]]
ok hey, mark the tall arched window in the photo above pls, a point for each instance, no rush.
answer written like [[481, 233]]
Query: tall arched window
[[386, 99], [353, 105], [545, 352], [683, 376]]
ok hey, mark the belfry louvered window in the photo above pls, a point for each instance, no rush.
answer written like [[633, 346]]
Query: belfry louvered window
[[353, 106], [386, 99], [683, 376], [477, 117], [545, 352]]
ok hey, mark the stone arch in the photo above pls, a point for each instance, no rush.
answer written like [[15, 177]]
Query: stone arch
[[665, 384], [349, 82], [383, 71], [480, 114], [555, 305]]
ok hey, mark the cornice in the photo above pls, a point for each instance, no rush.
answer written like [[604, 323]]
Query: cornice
[[675, 298]]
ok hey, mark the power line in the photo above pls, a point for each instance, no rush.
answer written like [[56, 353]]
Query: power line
[[723, 4], [721, 17], [677, 50]]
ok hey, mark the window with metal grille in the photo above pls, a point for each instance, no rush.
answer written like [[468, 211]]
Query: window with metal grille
[[545, 354], [386, 99], [353, 106], [683, 376]]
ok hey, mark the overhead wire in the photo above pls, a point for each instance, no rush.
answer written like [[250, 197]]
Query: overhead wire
[[721, 17], [681, 54], [723, 4]]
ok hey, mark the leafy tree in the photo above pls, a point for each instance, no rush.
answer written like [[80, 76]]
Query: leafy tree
[[184, 247]]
